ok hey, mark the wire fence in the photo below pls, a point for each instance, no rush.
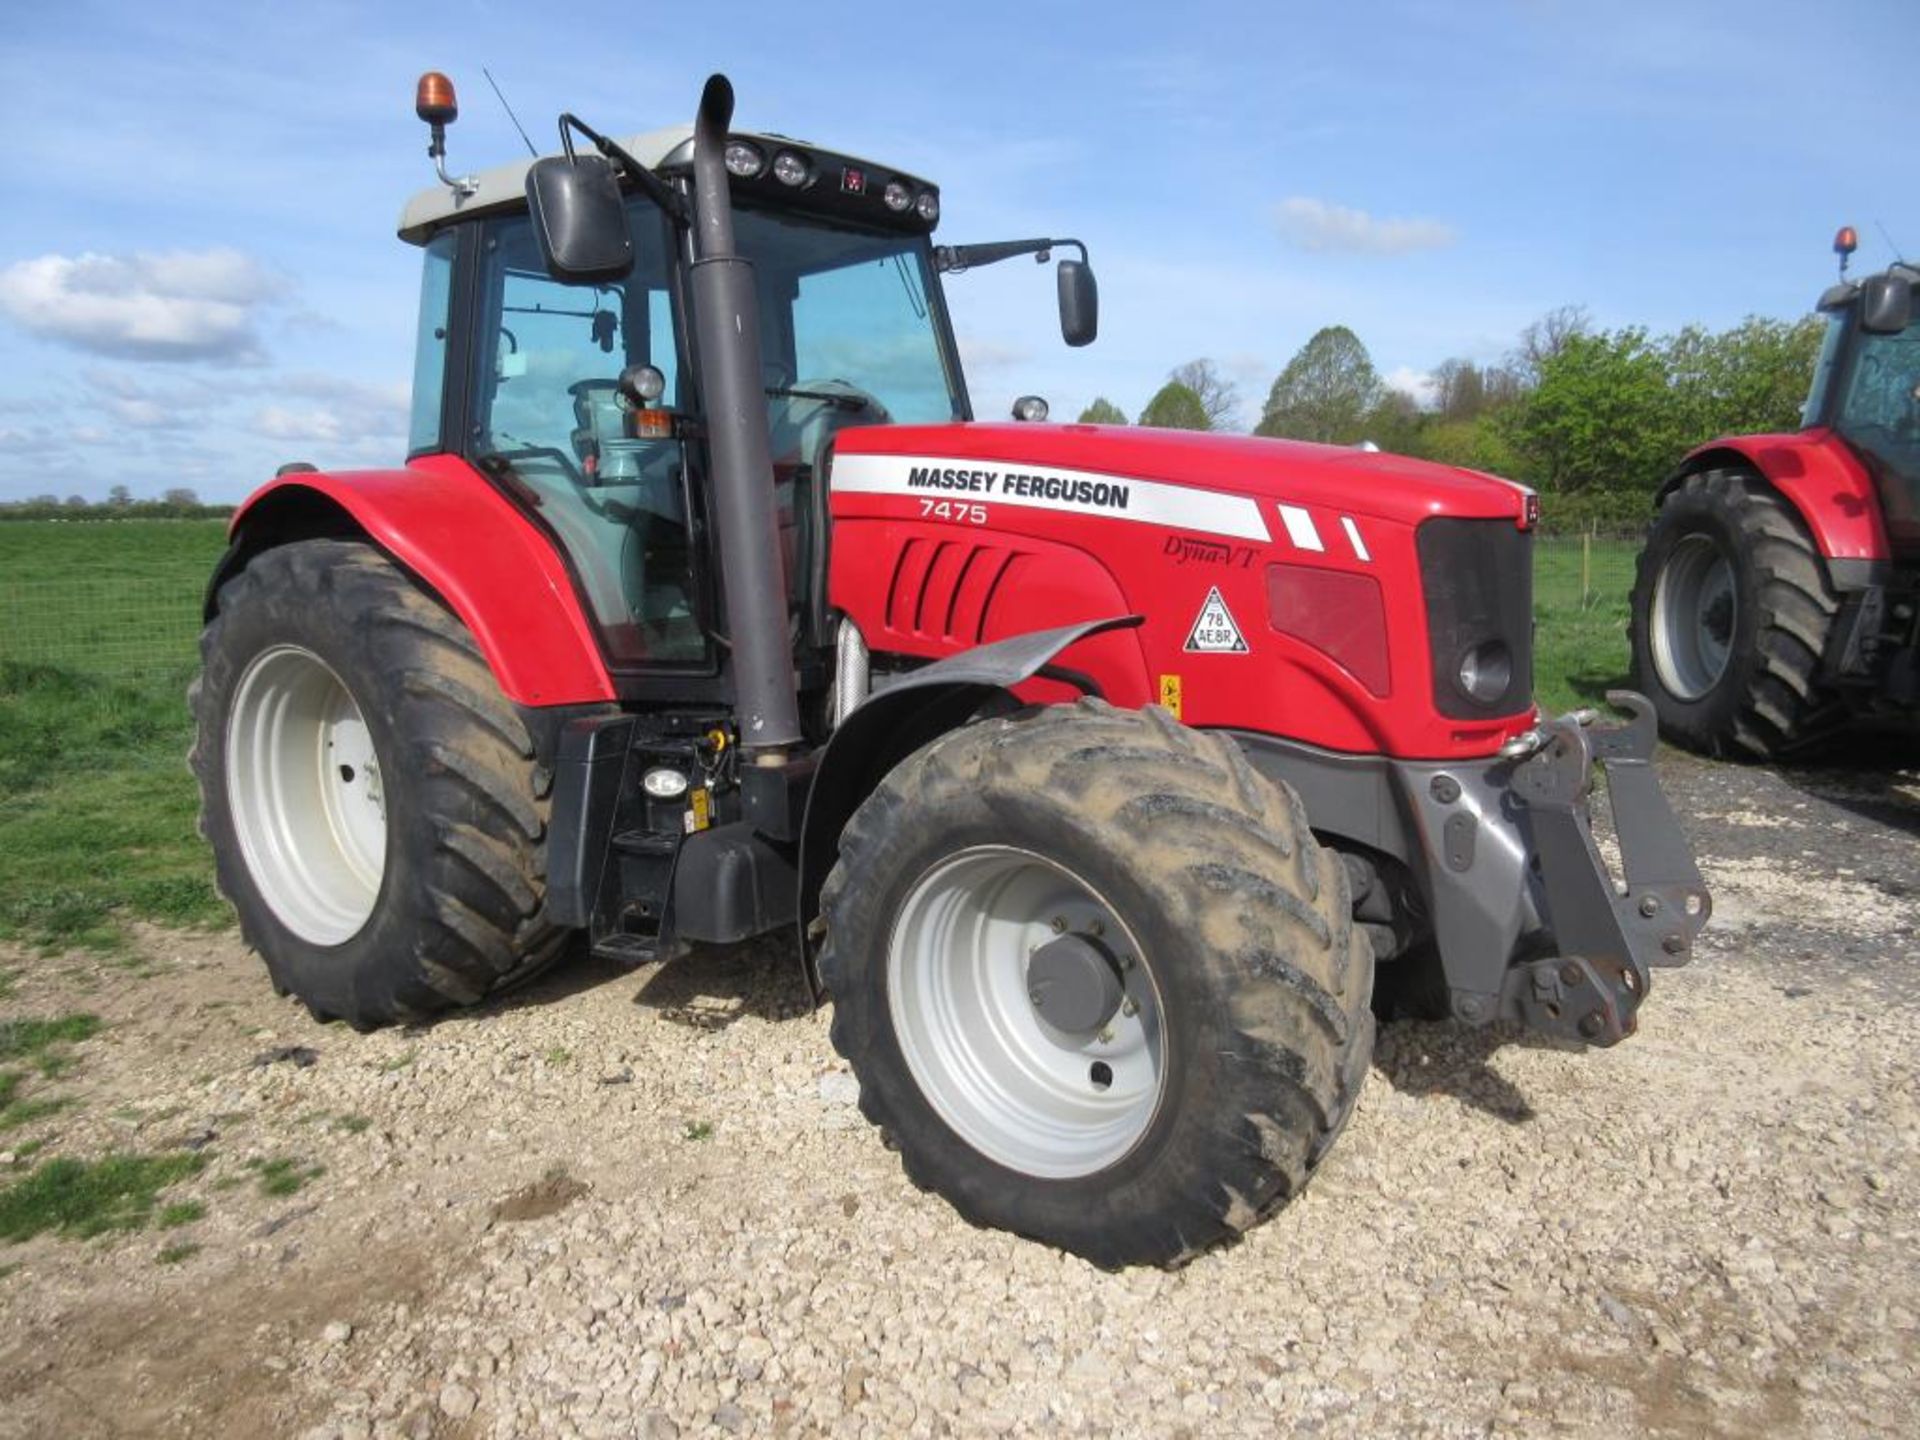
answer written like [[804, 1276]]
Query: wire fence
[[124, 606]]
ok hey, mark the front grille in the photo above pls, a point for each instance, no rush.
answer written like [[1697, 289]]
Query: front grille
[[1478, 576]]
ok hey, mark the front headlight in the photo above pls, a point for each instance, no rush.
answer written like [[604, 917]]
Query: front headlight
[[1486, 671]]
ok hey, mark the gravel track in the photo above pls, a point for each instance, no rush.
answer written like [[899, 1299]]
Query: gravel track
[[644, 1203]]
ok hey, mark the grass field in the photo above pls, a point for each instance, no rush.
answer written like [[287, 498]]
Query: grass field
[[97, 630]]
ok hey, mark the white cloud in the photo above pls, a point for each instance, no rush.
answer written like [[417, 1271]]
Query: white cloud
[[334, 411], [1320, 225], [183, 305], [1417, 383]]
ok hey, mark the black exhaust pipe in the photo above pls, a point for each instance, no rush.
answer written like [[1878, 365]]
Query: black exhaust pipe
[[726, 312]]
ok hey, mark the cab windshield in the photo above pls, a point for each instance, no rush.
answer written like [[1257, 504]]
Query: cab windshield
[[850, 335], [848, 312], [1879, 414]]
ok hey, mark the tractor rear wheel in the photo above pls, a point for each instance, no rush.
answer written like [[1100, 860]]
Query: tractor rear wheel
[[1731, 615], [377, 817], [1097, 980]]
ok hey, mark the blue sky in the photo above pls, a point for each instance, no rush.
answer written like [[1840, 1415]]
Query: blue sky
[[199, 277]]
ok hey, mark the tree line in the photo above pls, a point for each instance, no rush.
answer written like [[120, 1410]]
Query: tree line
[[178, 503], [1593, 419]]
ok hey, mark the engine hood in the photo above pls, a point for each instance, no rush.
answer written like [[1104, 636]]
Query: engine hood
[[1360, 482]]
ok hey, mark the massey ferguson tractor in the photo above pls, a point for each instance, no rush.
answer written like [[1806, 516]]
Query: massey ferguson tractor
[[1095, 770], [1778, 596]]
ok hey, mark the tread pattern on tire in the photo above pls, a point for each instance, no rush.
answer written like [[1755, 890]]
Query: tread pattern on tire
[[1783, 704], [480, 925], [1229, 854]]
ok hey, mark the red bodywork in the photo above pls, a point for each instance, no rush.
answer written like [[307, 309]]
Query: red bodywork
[[923, 580], [932, 571], [492, 566], [1820, 476]]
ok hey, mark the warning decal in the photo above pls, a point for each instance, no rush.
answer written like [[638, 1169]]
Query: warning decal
[[1214, 630]]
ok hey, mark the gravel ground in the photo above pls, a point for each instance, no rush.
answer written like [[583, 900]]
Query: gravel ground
[[644, 1204]]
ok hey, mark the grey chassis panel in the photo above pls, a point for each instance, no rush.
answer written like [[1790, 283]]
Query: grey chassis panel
[[898, 718], [1530, 921]]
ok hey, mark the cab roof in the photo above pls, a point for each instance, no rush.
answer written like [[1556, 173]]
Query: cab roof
[[505, 186]]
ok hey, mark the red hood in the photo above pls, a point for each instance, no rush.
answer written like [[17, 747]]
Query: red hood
[[1361, 482]]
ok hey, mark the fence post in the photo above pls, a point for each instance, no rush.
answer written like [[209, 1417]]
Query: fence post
[[1586, 567]]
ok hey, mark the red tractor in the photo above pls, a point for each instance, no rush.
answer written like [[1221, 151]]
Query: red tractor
[[1778, 596], [1096, 769]]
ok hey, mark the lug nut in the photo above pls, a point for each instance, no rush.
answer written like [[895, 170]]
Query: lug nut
[[1592, 1023], [1105, 1037], [1674, 945], [1570, 973], [1445, 789], [1096, 927], [1129, 1007], [1059, 925], [1650, 906]]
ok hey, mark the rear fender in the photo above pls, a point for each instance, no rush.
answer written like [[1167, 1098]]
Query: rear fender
[[1818, 474], [467, 543], [901, 717]]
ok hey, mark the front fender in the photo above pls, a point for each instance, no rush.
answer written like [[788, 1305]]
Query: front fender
[[1818, 474], [898, 719], [467, 543]]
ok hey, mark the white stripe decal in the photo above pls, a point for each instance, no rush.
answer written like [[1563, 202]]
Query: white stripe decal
[[1301, 529], [1353, 539], [1040, 487]]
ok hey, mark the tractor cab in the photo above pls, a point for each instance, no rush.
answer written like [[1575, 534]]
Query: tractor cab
[[575, 388], [1866, 388]]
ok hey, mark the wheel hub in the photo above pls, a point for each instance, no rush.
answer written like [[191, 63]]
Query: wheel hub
[[1074, 984], [306, 795], [1004, 982], [1695, 613]]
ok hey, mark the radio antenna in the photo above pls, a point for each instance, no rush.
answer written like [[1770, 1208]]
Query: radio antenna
[[1898, 258], [509, 109]]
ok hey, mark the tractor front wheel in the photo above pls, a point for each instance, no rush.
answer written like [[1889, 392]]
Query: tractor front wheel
[[1730, 618], [1097, 980], [376, 814]]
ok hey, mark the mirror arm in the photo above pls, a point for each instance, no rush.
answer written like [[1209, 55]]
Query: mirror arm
[[957, 259], [667, 199]]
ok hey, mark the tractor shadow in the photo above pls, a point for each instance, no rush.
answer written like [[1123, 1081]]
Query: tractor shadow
[[1421, 1058], [1592, 686], [709, 987]]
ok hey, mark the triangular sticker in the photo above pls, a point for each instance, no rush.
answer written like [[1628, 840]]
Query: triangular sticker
[[1214, 631]]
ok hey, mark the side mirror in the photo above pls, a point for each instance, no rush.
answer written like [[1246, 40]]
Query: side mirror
[[579, 217], [1079, 303], [1886, 304]]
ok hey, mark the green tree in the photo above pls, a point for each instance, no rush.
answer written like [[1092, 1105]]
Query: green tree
[[1601, 416], [1175, 407], [1219, 396], [1326, 392], [1103, 412], [1751, 379]]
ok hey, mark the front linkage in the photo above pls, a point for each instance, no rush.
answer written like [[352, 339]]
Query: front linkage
[[1609, 933]]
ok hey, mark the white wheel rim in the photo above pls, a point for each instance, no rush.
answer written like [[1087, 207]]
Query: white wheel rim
[[1012, 1086], [305, 790], [1696, 612]]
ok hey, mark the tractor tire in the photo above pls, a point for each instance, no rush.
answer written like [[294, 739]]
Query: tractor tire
[[1150, 861], [377, 816], [1730, 618]]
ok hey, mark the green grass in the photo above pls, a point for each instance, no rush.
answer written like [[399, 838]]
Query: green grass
[[173, 1254], [1580, 640], [37, 1039], [182, 1212], [110, 599], [98, 629], [281, 1177], [96, 810], [79, 1199], [698, 1130]]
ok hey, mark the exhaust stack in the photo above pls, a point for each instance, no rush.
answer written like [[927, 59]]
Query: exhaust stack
[[727, 329]]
